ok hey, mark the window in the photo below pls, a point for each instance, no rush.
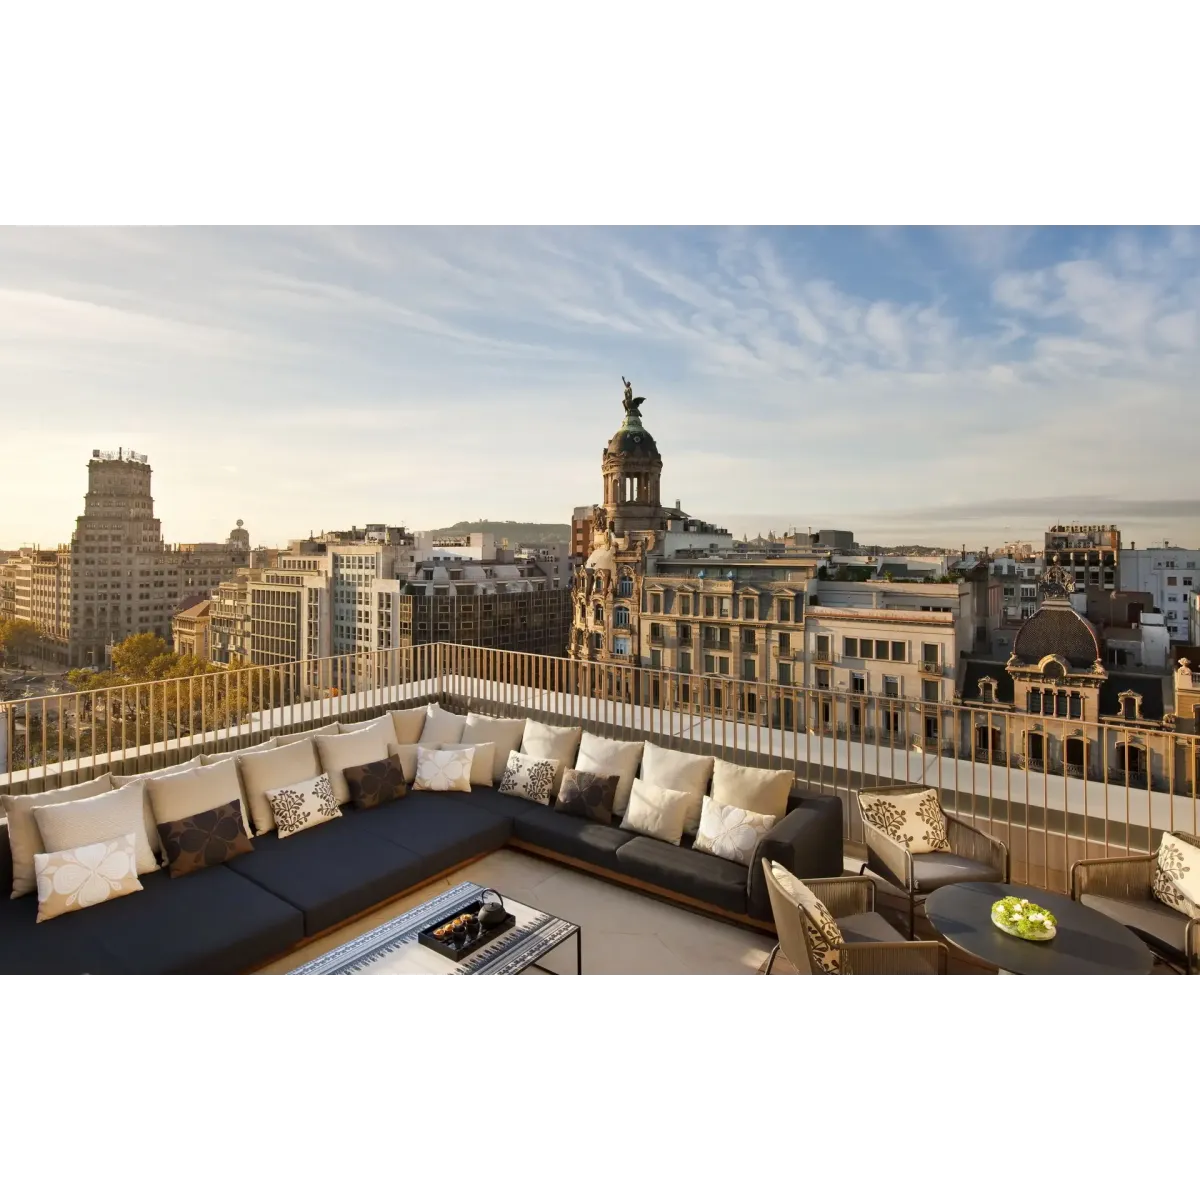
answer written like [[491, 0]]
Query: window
[[899, 652], [1172, 581], [1075, 706], [1187, 581], [710, 665], [858, 682], [655, 602], [725, 606], [598, 614], [881, 649], [749, 669], [891, 686], [987, 691], [685, 604], [1033, 701], [685, 633], [864, 648], [685, 662], [822, 677], [716, 697], [749, 638], [785, 610], [785, 643], [748, 613], [929, 691], [621, 645], [850, 647], [929, 654], [822, 647], [785, 673], [709, 606], [620, 616], [656, 632], [625, 586], [722, 665], [656, 660]]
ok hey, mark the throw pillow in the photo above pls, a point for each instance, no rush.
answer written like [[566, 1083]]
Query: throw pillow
[[408, 725], [1176, 879], [207, 760], [205, 839], [558, 742], [102, 818], [482, 774], [605, 756], [682, 773], [25, 841], [729, 832], [658, 812], [441, 726], [443, 770], [752, 788], [68, 880], [349, 750], [504, 733], [373, 784], [201, 789], [303, 805], [121, 780], [583, 794], [528, 777], [290, 739], [824, 936], [384, 724], [266, 770], [407, 754], [912, 818]]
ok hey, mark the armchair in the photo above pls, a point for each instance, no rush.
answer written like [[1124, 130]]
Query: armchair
[[973, 857], [870, 946], [1122, 888]]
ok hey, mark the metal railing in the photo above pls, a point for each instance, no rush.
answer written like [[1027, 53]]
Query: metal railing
[[1049, 817]]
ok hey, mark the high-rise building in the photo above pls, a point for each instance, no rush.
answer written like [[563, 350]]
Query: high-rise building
[[1171, 575], [1091, 554]]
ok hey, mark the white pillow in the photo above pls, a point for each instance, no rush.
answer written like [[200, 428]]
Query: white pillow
[[290, 739], [266, 770], [199, 790], [752, 788], [682, 773], [481, 761], [504, 733], [528, 777], [351, 750], [302, 805], [407, 754], [68, 880], [408, 723], [604, 756], [658, 812], [385, 724], [558, 742], [207, 760], [443, 770], [102, 818], [729, 832], [441, 726], [1176, 879]]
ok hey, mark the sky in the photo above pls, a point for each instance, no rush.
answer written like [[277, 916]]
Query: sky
[[942, 386]]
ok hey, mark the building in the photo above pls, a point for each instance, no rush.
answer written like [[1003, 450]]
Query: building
[[190, 630], [1170, 575], [1091, 554], [31, 589], [581, 531]]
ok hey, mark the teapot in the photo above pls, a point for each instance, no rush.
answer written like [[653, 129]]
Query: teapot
[[491, 912]]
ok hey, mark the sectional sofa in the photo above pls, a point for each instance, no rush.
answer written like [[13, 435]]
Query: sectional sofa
[[261, 905]]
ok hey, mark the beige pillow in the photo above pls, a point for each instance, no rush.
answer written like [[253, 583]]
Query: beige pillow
[[121, 780], [657, 812], [481, 761], [504, 733], [604, 756], [68, 880], [407, 754], [443, 770], [265, 770], [25, 841], [302, 805], [731, 833], [441, 726], [101, 818], [912, 818], [350, 750], [385, 724], [824, 936], [752, 788], [559, 742], [289, 739], [207, 760], [1176, 879], [682, 773], [409, 724], [189, 793]]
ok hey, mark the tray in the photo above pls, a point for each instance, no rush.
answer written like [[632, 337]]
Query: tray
[[456, 953]]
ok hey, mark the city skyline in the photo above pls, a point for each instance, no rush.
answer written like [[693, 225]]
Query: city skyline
[[939, 386]]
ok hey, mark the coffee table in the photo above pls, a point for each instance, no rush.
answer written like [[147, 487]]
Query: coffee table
[[1088, 942], [393, 949]]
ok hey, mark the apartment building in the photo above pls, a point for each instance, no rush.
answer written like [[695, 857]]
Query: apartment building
[[31, 589], [1091, 554], [190, 630], [581, 531], [1170, 574]]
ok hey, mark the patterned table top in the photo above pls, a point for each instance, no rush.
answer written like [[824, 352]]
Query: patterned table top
[[393, 949]]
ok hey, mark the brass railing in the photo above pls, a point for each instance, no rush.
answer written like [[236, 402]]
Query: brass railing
[[1049, 817]]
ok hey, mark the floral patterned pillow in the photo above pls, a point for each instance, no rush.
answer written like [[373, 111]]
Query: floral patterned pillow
[[204, 840], [529, 777], [1177, 875], [730, 832], [68, 880], [375, 783], [443, 770], [913, 819], [824, 937], [583, 794], [303, 805]]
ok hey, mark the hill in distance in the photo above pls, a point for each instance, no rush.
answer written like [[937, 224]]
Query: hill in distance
[[523, 533]]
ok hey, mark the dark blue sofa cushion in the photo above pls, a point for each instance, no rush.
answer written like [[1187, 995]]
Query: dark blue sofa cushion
[[689, 873], [439, 831], [575, 837]]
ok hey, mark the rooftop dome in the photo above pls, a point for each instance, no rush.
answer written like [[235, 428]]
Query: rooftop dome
[[632, 437], [1058, 629], [601, 559]]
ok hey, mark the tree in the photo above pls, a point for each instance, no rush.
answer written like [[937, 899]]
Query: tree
[[18, 640]]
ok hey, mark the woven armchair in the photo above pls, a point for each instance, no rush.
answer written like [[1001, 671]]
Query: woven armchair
[[1121, 888], [973, 857], [872, 946]]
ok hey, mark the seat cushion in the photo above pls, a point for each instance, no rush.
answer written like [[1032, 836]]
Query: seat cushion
[[1155, 923], [939, 869], [213, 921], [497, 803], [868, 927], [440, 833], [332, 872], [686, 872], [576, 837]]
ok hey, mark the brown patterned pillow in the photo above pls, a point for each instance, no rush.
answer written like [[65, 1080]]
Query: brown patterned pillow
[[205, 840], [375, 783], [584, 794]]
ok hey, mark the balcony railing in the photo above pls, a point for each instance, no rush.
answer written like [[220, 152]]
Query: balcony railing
[[822, 656], [1049, 819], [930, 666]]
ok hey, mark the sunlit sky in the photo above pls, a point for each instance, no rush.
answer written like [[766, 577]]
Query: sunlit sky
[[913, 385]]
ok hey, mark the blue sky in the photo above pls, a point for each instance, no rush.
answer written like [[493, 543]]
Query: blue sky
[[941, 385]]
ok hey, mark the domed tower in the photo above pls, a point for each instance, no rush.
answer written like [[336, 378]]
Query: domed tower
[[239, 538], [632, 468]]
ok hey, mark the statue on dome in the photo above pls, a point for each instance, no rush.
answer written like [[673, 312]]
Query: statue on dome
[[633, 405]]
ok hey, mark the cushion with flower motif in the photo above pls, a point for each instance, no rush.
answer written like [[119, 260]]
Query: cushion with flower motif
[[824, 937], [1176, 880], [68, 880], [303, 805], [529, 777], [443, 770], [730, 832], [204, 839], [375, 783], [914, 818]]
